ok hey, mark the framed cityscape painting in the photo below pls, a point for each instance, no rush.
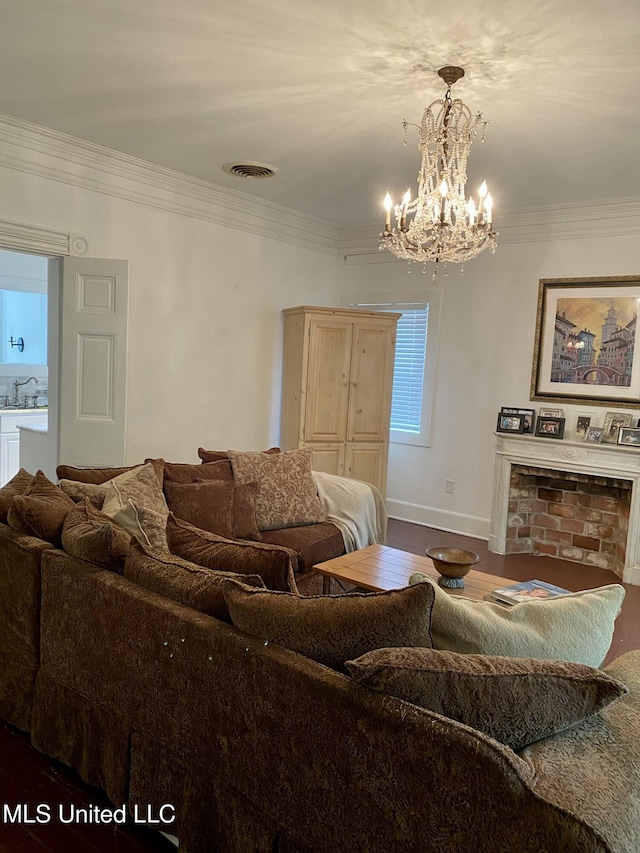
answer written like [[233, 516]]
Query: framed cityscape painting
[[586, 347]]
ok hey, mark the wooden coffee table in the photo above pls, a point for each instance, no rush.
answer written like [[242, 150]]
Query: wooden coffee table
[[378, 567]]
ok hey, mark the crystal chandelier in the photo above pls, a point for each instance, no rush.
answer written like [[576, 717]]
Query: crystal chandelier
[[440, 224]]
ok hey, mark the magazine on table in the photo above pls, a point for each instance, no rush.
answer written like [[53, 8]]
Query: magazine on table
[[527, 591]]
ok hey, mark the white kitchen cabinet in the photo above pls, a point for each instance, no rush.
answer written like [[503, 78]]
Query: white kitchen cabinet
[[10, 420]]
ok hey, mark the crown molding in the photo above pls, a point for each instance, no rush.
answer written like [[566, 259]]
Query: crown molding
[[59, 157], [604, 218], [47, 153]]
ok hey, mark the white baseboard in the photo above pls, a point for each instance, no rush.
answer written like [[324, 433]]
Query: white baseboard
[[451, 522]]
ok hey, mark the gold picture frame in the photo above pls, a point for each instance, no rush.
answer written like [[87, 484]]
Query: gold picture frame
[[587, 342]]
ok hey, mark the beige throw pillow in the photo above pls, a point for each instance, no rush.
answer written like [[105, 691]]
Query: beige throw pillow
[[576, 627], [286, 494], [515, 700], [78, 491], [135, 501]]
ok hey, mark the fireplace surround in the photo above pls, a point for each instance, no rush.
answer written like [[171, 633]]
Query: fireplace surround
[[568, 499]]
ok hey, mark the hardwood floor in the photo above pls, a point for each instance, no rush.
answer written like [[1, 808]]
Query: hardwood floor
[[28, 777]]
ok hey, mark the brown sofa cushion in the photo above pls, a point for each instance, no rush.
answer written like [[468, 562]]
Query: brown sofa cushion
[[78, 491], [15, 486], [216, 455], [94, 475], [331, 629], [287, 495], [40, 510], [517, 701], [186, 472], [313, 543], [90, 535], [276, 566], [219, 506], [181, 580], [135, 501]]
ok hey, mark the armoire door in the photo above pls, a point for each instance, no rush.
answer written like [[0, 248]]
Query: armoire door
[[327, 386], [371, 381]]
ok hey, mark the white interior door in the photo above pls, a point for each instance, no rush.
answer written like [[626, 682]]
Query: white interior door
[[92, 361]]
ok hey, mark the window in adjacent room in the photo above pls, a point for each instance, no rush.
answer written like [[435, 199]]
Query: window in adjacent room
[[415, 359]]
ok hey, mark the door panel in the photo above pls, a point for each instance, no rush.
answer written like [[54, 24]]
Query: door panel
[[93, 362], [372, 375], [327, 392], [366, 462], [328, 458]]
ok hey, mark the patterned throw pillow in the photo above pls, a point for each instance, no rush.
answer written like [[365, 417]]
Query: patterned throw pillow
[[275, 565], [219, 506], [333, 629], [287, 495], [15, 486], [135, 501], [90, 535], [78, 491], [182, 581], [40, 510], [517, 701]]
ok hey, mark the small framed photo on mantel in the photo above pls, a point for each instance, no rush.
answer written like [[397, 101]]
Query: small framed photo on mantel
[[582, 423], [547, 427], [529, 416], [629, 436], [593, 435], [510, 422]]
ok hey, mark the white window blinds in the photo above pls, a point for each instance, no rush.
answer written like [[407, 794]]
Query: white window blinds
[[409, 366]]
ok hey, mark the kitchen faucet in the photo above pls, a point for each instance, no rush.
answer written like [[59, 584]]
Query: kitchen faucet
[[17, 385]]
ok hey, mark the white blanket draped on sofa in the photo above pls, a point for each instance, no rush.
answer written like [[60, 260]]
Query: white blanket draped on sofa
[[356, 508]]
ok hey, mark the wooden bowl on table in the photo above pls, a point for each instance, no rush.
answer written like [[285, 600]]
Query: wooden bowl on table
[[452, 564]]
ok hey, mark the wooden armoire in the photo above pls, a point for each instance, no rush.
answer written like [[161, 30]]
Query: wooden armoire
[[336, 389]]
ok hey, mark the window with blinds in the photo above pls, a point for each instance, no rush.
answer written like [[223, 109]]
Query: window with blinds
[[415, 360], [409, 366]]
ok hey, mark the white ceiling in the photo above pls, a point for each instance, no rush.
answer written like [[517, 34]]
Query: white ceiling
[[319, 88]]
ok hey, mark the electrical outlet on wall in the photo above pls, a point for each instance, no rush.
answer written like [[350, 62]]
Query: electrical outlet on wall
[[448, 486]]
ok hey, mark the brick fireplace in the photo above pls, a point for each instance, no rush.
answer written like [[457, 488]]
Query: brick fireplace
[[568, 500], [568, 515]]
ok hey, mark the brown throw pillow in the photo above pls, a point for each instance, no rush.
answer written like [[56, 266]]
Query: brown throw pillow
[[275, 565], [287, 495], [216, 455], [40, 510], [333, 629], [181, 580], [90, 535], [101, 475], [78, 491], [219, 506], [184, 472], [515, 700], [15, 486]]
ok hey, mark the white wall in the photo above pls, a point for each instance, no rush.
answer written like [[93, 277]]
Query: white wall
[[486, 341], [205, 330], [205, 327]]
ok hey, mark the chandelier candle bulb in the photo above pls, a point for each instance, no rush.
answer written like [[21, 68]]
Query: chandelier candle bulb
[[387, 208]]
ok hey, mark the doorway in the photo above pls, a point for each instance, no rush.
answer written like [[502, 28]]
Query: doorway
[[24, 363]]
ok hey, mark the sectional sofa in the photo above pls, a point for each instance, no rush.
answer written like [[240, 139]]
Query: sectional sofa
[[254, 712]]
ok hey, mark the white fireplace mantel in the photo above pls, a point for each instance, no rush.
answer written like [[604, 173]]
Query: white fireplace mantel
[[600, 460]]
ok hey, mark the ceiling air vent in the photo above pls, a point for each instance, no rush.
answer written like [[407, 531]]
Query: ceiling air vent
[[249, 169]]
